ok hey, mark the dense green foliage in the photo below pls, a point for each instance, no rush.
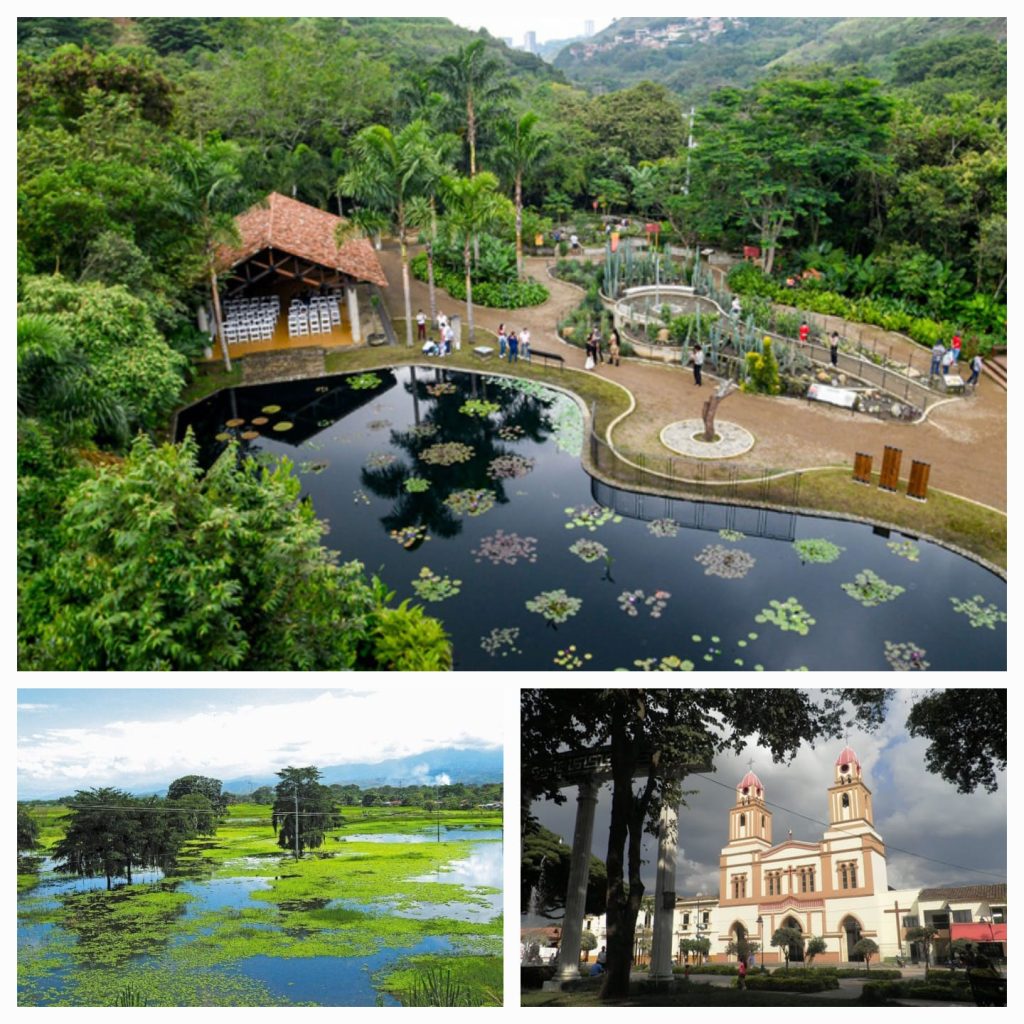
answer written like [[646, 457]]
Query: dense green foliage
[[303, 810], [155, 565]]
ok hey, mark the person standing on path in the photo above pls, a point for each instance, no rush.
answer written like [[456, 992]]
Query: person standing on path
[[734, 309], [421, 326], [833, 348], [741, 975], [524, 343], [956, 346], [947, 363], [938, 351], [805, 333], [613, 347], [502, 341], [976, 365], [513, 347], [697, 358]]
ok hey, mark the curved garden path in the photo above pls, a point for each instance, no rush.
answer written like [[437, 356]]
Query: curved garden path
[[964, 440]]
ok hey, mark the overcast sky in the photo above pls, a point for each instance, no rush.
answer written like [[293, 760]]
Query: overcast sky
[[75, 738], [915, 811]]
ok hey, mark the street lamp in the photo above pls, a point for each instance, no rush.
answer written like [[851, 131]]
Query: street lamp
[[760, 938], [700, 952]]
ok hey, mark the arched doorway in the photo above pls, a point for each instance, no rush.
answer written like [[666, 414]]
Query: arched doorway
[[796, 948], [851, 926]]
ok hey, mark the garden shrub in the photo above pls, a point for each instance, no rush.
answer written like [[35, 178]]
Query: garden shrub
[[762, 371], [799, 982], [877, 992]]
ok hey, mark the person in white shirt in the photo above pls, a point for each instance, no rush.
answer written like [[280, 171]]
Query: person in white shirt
[[421, 326], [524, 343]]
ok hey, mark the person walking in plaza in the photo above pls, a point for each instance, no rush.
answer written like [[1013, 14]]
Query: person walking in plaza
[[833, 348], [734, 309], [697, 358], [938, 351], [741, 975], [421, 326], [976, 365], [614, 346]]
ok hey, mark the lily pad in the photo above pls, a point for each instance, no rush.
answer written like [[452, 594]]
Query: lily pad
[[236, 422], [260, 421], [555, 605], [271, 409], [250, 435], [871, 590], [283, 426]]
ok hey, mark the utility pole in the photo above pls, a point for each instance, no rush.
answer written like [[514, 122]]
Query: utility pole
[[295, 792], [689, 146]]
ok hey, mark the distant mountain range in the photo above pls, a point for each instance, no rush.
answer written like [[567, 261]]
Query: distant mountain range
[[695, 56], [473, 766]]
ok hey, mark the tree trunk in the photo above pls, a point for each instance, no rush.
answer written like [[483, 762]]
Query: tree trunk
[[519, 225], [711, 407], [405, 285], [218, 318], [469, 290], [471, 134]]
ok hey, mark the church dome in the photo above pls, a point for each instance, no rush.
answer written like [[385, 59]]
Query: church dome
[[847, 757], [750, 785]]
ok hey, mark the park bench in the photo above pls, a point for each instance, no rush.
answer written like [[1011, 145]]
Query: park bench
[[842, 397], [536, 353]]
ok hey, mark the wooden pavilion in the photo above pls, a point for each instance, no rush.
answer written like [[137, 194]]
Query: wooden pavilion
[[288, 283]]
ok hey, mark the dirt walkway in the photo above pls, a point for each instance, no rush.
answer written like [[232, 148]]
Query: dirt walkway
[[963, 440]]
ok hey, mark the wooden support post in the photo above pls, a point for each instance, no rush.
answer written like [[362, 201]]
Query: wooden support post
[[890, 478], [917, 487], [862, 468]]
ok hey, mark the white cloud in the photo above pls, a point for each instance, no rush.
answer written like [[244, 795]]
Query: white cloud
[[36, 707], [328, 728]]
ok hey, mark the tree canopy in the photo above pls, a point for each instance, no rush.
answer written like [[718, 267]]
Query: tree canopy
[[303, 809]]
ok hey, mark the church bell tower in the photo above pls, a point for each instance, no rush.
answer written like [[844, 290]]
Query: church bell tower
[[849, 799], [750, 819]]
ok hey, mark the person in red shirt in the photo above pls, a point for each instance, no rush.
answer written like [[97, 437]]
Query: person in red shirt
[[805, 333], [956, 347]]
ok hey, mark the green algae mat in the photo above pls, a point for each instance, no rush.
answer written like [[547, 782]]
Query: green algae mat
[[395, 901]]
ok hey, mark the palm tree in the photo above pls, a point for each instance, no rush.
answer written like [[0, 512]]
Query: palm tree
[[520, 147], [474, 81], [389, 172], [208, 186], [471, 204]]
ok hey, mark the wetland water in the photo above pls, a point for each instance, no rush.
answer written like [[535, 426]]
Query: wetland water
[[465, 493], [238, 923]]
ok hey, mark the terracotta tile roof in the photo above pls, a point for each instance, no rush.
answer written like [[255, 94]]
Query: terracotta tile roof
[[956, 893], [303, 231]]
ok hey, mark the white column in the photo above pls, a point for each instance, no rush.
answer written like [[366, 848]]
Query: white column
[[579, 870], [661, 941], [353, 311]]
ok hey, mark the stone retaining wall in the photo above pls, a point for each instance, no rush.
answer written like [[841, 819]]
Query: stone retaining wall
[[293, 364]]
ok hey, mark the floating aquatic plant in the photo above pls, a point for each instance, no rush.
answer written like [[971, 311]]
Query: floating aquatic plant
[[260, 421], [555, 605], [731, 534], [441, 388], [590, 517], [379, 424], [236, 422], [508, 467], [317, 466], [905, 657], [670, 663], [360, 497], [817, 550], [222, 436], [589, 550], [423, 430], [271, 409], [379, 460], [447, 453], [978, 613], [663, 527], [478, 407], [789, 615], [501, 641], [567, 425], [431, 587], [364, 382], [471, 502], [905, 549], [729, 563], [872, 590], [416, 484], [283, 426], [502, 548], [511, 433], [632, 601], [410, 536], [570, 660]]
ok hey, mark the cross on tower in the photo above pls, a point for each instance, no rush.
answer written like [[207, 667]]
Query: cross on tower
[[750, 764]]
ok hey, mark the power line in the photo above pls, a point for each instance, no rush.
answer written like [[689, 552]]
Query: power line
[[889, 846]]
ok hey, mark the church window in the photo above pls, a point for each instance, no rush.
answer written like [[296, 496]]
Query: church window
[[743, 821], [810, 879], [739, 887], [846, 799], [848, 875], [764, 821], [686, 921]]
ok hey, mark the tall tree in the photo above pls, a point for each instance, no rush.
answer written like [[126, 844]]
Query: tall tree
[[209, 184], [651, 735], [475, 82], [188, 785], [520, 148], [390, 171], [471, 206], [303, 809], [28, 829]]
